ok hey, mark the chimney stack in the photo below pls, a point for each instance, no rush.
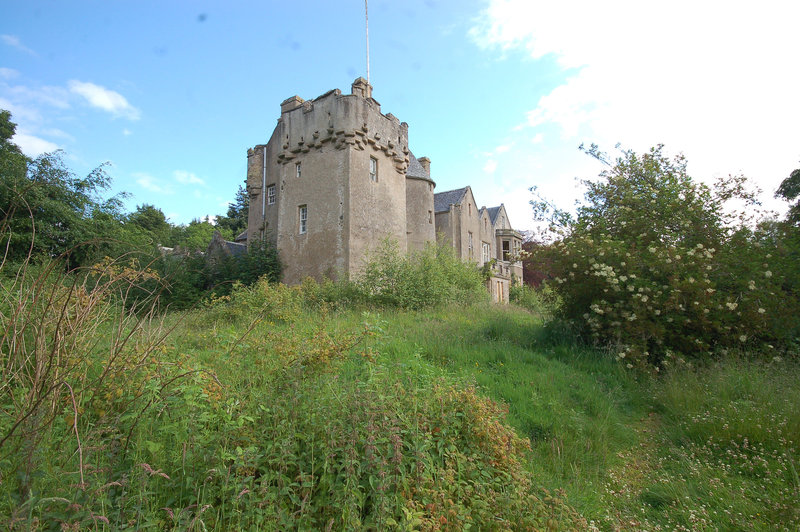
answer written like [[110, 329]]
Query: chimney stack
[[362, 88], [426, 164]]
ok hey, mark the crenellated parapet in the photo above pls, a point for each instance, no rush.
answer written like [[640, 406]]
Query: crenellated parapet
[[336, 121]]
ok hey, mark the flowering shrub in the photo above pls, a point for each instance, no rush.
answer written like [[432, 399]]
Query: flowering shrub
[[656, 264]]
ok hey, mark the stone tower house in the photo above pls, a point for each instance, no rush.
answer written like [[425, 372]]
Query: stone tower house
[[337, 177]]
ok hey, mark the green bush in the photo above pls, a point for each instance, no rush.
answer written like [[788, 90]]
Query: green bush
[[656, 264], [543, 302], [426, 278]]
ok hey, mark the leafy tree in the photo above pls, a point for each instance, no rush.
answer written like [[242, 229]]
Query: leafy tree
[[790, 191], [197, 235], [152, 220], [655, 263], [236, 219], [13, 163], [47, 210]]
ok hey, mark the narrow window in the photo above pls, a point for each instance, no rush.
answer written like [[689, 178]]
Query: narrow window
[[469, 243], [271, 195], [469, 208], [373, 169], [303, 217], [430, 217], [506, 250], [486, 224], [297, 169], [487, 251]]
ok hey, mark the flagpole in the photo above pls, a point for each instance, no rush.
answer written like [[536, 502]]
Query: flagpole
[[366, 14]]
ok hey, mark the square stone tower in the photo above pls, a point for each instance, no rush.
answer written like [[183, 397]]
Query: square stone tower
[[331, 184]]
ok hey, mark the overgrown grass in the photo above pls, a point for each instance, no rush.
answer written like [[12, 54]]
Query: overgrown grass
[[574, 404], [721, 451], [259, 419], [270, 411]]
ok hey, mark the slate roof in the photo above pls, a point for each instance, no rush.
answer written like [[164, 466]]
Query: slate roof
[[415, 169], [443, 200], [493, 211], [235, 248]]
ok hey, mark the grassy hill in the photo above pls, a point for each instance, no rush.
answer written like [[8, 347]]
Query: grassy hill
[[271, 410]]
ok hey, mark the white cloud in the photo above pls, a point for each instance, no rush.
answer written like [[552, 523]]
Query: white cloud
[[13, 40], [127, 132], [711, 79], [104, 99], [31, 145], [537, 138], [152, 184], [490, 166], [57, 133], [502, 149], [53, 96], [187, 178], [8, 73]]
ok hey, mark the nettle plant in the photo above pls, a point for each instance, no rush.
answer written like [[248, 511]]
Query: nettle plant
[[658, 265]]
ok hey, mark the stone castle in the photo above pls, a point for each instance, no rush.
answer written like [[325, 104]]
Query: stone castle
[[337, 177]]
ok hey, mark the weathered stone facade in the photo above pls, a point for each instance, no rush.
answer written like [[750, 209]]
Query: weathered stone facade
[[337, 177], [482, 236]]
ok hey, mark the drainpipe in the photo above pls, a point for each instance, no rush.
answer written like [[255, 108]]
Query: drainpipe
[[263, 192]]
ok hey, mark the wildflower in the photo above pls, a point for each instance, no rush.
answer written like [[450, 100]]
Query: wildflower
[[657, 312], [691, 280], [761, 311], [767, 274], [651, 249], [629, 365], [731, 306], [743, 338], [751, 285]]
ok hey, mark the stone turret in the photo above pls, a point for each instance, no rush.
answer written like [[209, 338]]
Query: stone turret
[[361, 88]]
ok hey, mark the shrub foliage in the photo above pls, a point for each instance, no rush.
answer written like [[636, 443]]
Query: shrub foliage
[[657, 264]]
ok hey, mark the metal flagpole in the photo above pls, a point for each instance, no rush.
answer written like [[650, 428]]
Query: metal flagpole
[[366, 14]]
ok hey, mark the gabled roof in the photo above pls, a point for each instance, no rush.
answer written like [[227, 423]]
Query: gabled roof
[[493, 212], [443, 200], [415, 169]]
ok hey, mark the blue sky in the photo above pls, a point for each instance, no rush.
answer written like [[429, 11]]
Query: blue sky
[[498, 93]]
